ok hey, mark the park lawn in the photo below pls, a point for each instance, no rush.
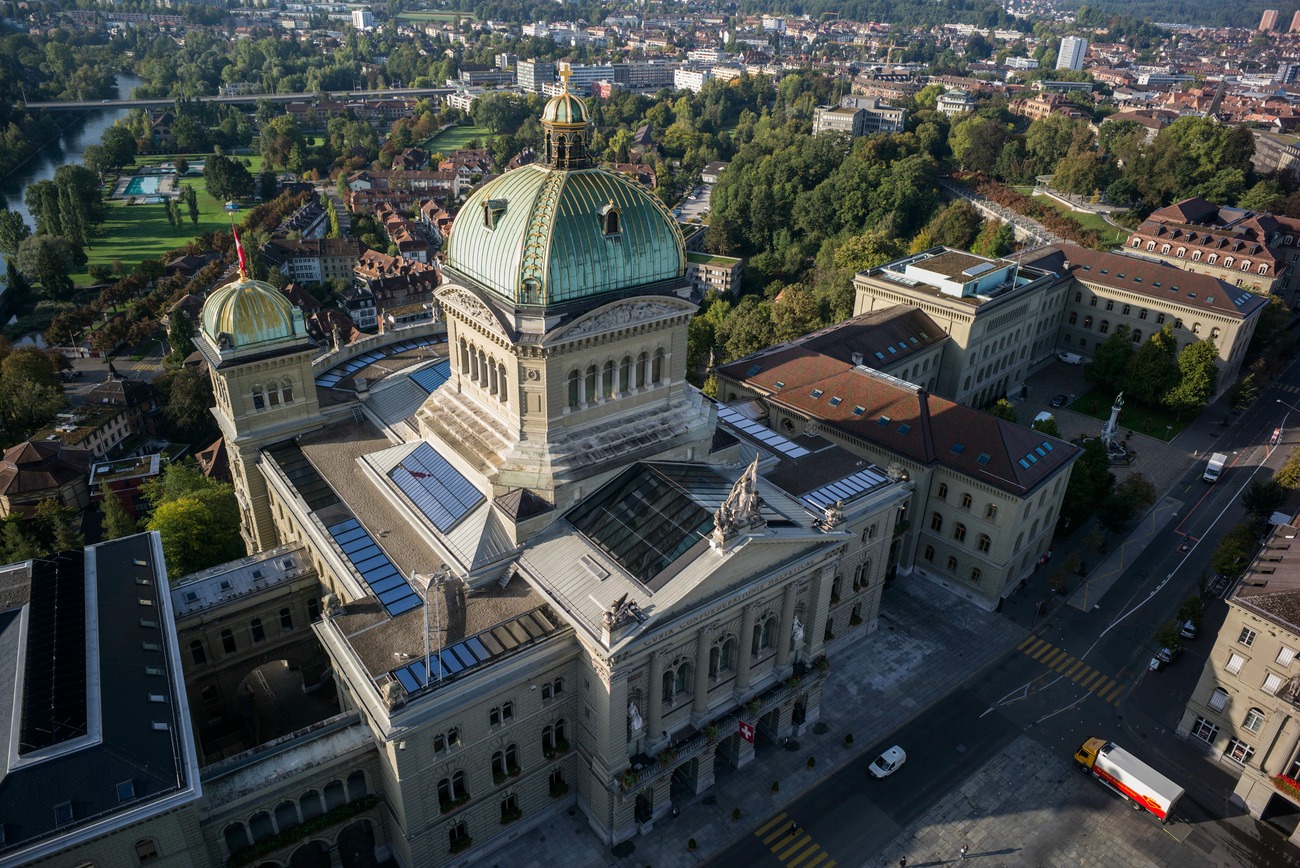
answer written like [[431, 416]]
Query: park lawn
[[138, 232], [254, 163], [455, 138], [1158, 422], [1088, 220]]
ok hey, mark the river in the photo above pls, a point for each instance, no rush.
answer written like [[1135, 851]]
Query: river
[[67, 148]]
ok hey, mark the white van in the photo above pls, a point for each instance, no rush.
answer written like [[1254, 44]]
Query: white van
[[1044, 417], [1070, 358]]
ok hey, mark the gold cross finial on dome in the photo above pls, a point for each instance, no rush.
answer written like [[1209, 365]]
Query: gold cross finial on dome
[[565, 72]]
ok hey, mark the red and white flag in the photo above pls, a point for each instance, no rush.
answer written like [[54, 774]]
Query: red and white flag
[[747, 731], [239, 250]]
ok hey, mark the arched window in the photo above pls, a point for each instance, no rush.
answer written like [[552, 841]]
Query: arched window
[[952, 564], [1104, 327], [236, 838], [286, 390], [625, 376], [1227, 262], [975, 574], [765, 637], [356, 785], [286, 815], [928, 554], [502, 392], [1164, 249], [1214, 333], [610, 221], [464, 357], [657, 371], [1196, 256], [1254, 720], [1245, 265], [965, 500], [642, 364], [943, 491], [197, 653], [1074, 318], [261, 826], [1212, 258], [228, 641], [607, 381], [1087, 322], [310, 805], [1020, 539], [258, 631], [1136, 336], [452, 789], [146, 850], [573, 389], [984, 543], [1151, 245], [936, 522], [1137, 242], [259, 401], [1196, 328], [286, 619], [591, 383], [682, 682], [1263, 269], [959, 532]]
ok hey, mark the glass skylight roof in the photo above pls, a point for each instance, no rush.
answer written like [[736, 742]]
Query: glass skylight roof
[[844, 489], [435, 487], [341, 372], [376, 570], [764, 435], [477, 649], [433, 376]]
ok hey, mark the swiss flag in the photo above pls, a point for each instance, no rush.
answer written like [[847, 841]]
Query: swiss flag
[[747, 731]]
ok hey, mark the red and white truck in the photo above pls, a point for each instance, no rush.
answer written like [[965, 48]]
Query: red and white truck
[[1128, 776]]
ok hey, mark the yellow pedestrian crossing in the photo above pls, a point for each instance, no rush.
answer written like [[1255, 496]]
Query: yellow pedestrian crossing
[[789, 843], [1059, 660]]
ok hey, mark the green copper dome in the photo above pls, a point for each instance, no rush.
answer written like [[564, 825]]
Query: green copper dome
[[249, 313], [542, 235], [565, 108]]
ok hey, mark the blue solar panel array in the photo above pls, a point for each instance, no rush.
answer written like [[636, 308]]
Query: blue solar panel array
[[435, 487], [433, 376], [477, 649], [378, 572], [339, 373]]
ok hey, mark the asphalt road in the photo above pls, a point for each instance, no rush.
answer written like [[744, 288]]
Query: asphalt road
[[1080, 674]]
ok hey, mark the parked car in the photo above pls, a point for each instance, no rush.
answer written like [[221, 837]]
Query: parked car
[[888, 762], [1070, 358], [1188, 630], [1060, 401], [1164, 657]]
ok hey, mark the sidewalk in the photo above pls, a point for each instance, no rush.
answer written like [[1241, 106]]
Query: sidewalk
[[928, 642]]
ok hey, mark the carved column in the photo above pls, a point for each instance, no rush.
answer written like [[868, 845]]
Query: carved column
[[1279, 748], [702, 646], [746, 645], [787, 625], [654, 718], [582, 389]]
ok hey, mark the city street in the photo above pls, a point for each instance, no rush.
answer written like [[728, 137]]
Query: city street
[[1077, 675]]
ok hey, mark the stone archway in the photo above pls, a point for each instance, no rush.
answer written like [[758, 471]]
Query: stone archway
[[356, 844], [313, 854]]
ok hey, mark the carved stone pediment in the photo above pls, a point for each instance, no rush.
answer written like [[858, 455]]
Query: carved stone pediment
[[620, 315], [465, 302]]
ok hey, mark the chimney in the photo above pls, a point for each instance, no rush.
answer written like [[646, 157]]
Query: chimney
[[857, 358]]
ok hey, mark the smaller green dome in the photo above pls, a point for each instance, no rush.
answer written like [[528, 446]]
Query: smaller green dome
[[249, 313], [565, 108]]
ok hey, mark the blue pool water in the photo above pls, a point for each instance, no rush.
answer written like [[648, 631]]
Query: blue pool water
[[142, 186]]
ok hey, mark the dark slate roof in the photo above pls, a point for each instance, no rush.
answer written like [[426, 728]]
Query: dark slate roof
[[1162, 283], [110, 752], [39, 465]]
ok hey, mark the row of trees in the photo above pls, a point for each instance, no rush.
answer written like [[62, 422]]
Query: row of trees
[[1157, 373]]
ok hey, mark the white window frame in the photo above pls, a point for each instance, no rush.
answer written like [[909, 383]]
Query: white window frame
[[1218, 699], [1285, 655], [1234, 664], [1272, 683]]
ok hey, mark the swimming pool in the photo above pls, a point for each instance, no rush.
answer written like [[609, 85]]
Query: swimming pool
[[142, 185]]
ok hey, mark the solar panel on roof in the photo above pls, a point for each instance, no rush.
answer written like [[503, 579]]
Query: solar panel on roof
[[374, 567], [843, 489], [435, 487], [766, 435]]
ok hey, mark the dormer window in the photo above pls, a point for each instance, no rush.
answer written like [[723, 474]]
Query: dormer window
[[493, 210], [611, 221]]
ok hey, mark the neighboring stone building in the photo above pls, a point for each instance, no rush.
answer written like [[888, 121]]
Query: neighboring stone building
[[39, 470], [1106, 290], [1246, 705], [125, 478], [987, 492], [314, 261], [1002, 317], [707, 271], [956, 102], [859, 116], [1239, 247]]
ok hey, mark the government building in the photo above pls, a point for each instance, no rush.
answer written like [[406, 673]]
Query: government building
[[501, 566]]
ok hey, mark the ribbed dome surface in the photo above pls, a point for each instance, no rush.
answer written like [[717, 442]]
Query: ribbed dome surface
[[540, 235], [251, 312], [565, 108]]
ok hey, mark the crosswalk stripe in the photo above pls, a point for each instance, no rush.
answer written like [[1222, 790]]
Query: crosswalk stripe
[[1092, 679], [1074, 668], [761, 830], [780, 832], [794, 863], [790, 851], [1041, 651], [1061, 667], [830, 864], [820, 856], [1038, 643], [1028, 641], [1102, 686], [1051, 659], [1114, 693], [1082, 673]]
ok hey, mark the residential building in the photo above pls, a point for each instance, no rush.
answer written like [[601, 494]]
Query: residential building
[[532, 74], [1037, 108], [1070, 55], [1239, 247], [1275, 152], [115, 410], [986, 492], [314, 261], [39, 470], [363, 19], [956, 102], [480, 78], [706, 271], [1246, 705], [1268, 21], [1022, 63], [693, 80], [125, 478], [713, 171], [859, 116]]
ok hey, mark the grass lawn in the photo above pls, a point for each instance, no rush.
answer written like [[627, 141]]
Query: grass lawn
[[454, 138], [1109, 234], [137, 232], [1157, 422], [254, 163]]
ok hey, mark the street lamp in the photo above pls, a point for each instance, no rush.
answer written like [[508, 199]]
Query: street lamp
[[434, 582]]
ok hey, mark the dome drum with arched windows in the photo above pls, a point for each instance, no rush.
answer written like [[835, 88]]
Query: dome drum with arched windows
[[246, 314], [562, 230]]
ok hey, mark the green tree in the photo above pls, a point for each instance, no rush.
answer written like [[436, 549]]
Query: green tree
[[189, 397], [1199, 376], [995, 239], [51, 259], [1167, 636], [977, 143], [191, 199], [30, 395], [955, 226], [1090, 484], [197, 518], [1154, 369], [13, 231], [1235, 551], [1046, 426], [1263, 497], [866, 250], [117, 521], [118, 146], [1112, 360], [1288, 474], [1003, 409]]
